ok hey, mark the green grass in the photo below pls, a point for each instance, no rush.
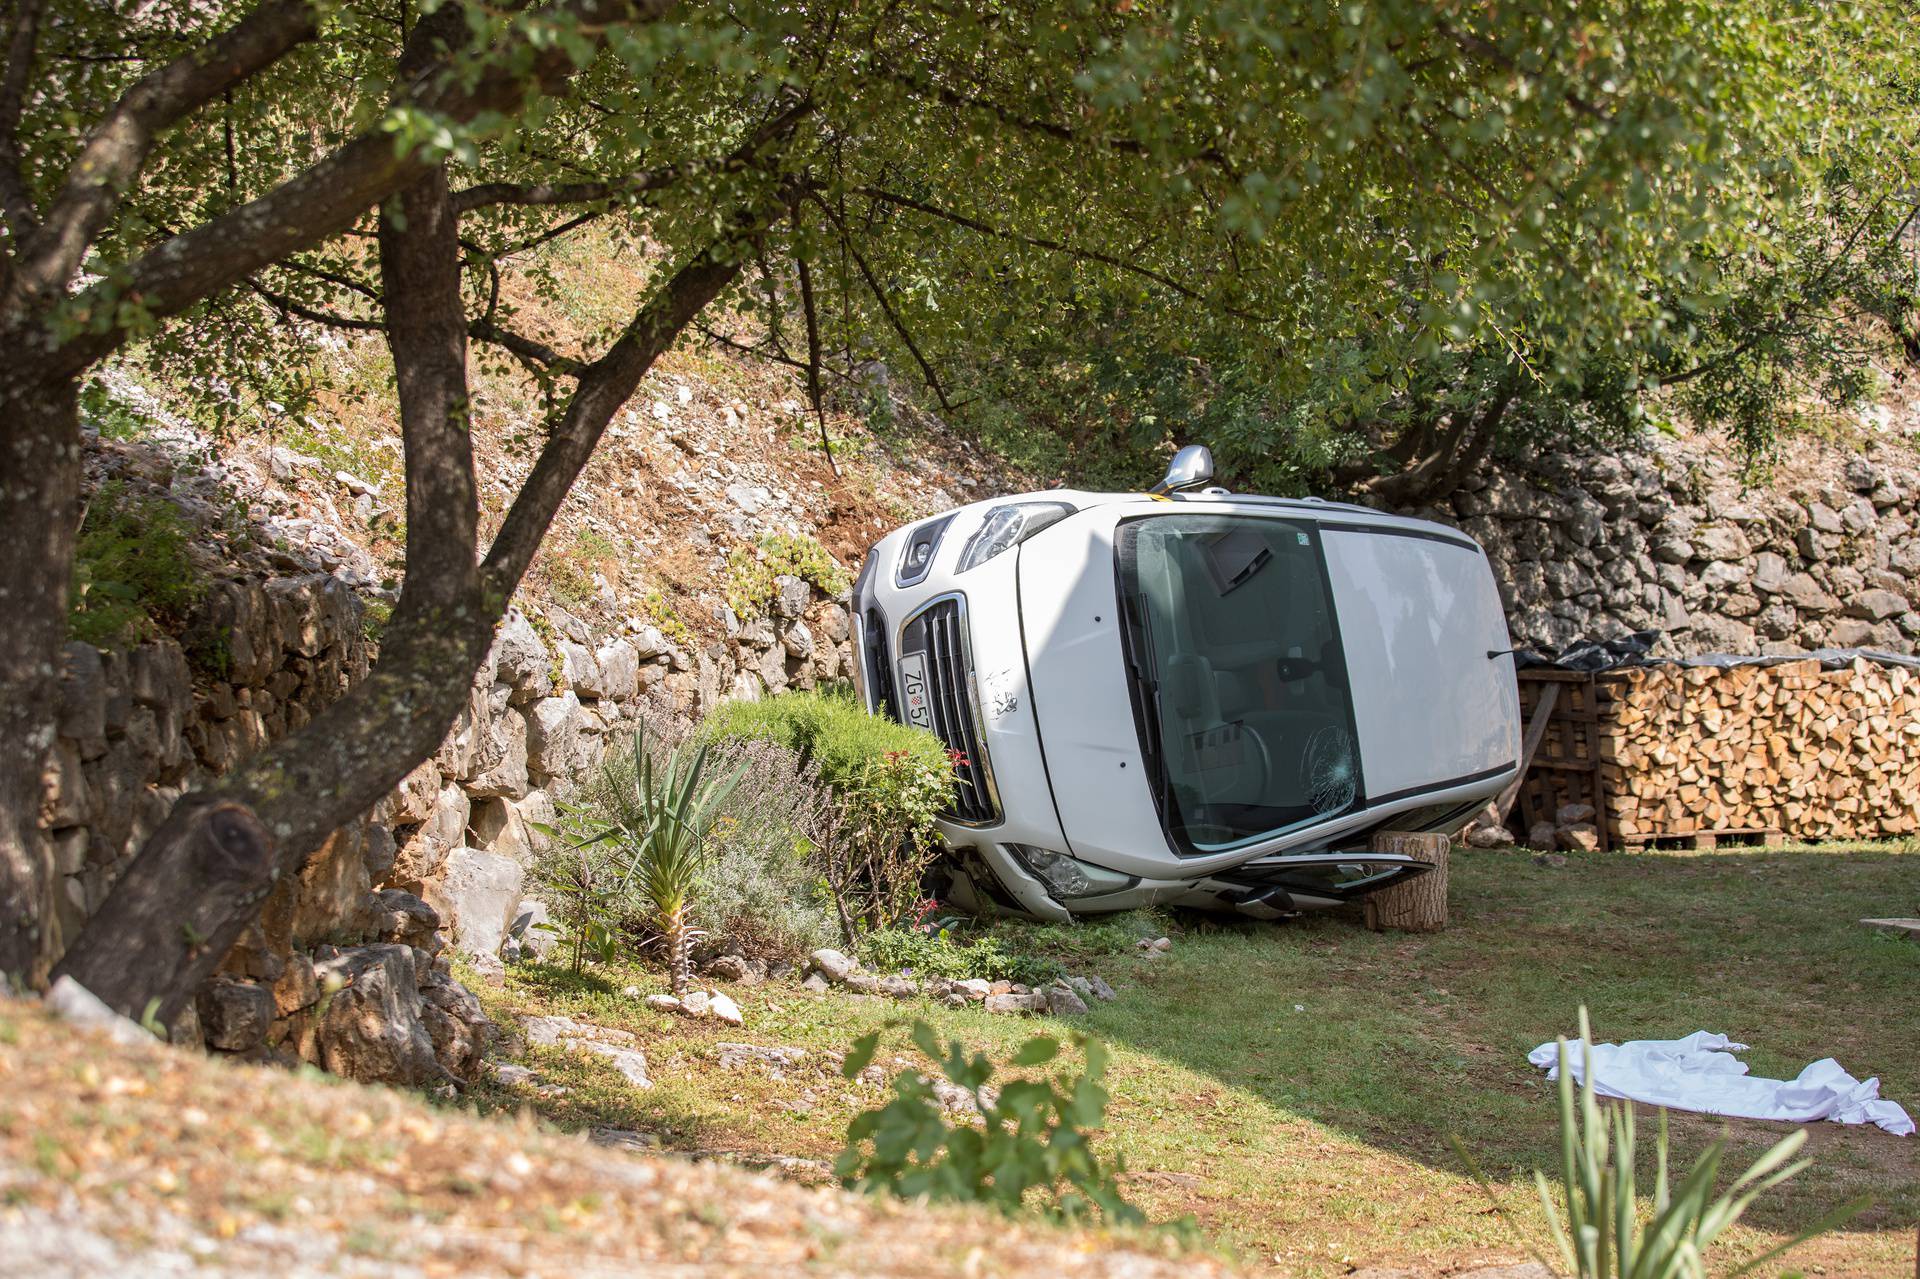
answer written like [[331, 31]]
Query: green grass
[[1294, 1086]]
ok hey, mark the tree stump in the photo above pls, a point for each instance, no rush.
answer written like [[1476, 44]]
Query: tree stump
[[1417, 905]]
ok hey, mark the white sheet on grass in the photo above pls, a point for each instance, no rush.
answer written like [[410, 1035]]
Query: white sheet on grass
[[1701, 1073]]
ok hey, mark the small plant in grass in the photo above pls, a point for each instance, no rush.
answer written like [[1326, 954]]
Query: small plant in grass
[[1030, 1153], [1603, 1234], [943, 952], [586, 889]]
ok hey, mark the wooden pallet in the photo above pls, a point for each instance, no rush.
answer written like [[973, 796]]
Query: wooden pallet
[[1705, 841]]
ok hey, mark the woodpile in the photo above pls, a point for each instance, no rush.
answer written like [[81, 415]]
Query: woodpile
[[1815, 754]]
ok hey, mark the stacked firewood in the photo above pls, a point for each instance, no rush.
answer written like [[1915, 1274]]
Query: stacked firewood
[[1812, 753]]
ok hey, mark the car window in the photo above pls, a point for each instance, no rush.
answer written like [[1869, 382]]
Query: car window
[[1242, 694]]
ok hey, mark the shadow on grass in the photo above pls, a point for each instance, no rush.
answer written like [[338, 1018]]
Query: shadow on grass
[[1401, 1040]]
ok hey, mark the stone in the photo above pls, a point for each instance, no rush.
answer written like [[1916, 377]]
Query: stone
[[862, 984], [1062, 1002], [494, 825], [791, 595], [372, 1028], [1573, 814], [722, 1008], [973, 988], [898, 987], [74, 1004], [1849, 632], [1876, 605], [798, 642], [535, 809], [815, 983], [1824, 518], [775, 1061], [623, 1139], [1100, 988], [519, 658], [617, 671], [1721, 542], [1542, 835], [556, 740], [483, 891], [1804, 591], [1584, 836], [1770, 573], [1490, 837], [730, 968], [531, 929], [506, 1072], [404, 918], [831, 964], [83, 699], [1012, 1004], [332, 892], [577, 664], [661, 1003], [695, 1002], [457, 1027], [234, 1015], [500, 756], [297, 986]]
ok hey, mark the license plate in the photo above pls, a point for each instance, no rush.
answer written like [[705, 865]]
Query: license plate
[[913, 690]]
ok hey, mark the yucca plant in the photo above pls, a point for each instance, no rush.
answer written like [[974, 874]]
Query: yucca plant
[[1603, 1234], [674, 805]]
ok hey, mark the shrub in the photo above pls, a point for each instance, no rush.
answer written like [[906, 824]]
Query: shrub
[[889, 783], [585, 888], [940, 953], [1031, 1153], [763, 887], [132, 577]]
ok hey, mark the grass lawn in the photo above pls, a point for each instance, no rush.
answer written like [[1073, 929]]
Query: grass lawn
[[1293, 1087]]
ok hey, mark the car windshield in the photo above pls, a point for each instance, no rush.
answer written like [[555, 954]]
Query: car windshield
[[1240, 686]]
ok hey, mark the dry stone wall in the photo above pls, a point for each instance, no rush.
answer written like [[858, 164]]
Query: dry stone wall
[[347, 966], [1824, 555]]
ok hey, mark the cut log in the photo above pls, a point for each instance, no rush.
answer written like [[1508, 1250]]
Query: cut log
[[1417, 905]]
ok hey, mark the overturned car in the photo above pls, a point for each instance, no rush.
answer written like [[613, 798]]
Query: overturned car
[[1189, 696]]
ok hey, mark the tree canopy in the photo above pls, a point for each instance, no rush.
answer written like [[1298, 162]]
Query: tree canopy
[[1357, 241]]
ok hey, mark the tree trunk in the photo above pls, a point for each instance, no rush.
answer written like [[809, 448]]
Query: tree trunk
[[1417, 905], [39, 511]]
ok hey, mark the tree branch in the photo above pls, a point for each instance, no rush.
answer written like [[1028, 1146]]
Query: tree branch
[[15, 204], [319, 202], [886, 308], [1053, 246], [604, 386], [116, 147]]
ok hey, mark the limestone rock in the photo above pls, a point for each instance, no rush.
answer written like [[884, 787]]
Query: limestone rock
[[1876, 605], [234, 1015], [973, 988], [1062, 1002], [520, 658], [1016, 1003], [556, 740], [483, 890], [1542, 835], [456, 1025], [831, 964], [496, 826], [721, 1007], [403, 918], [500, 756], [1489, 837], [372, 1029]]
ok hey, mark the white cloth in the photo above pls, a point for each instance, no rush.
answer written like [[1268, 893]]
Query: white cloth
[[1701, 1073]]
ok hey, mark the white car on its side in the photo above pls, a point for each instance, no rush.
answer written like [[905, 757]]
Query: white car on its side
[[1189, 696]]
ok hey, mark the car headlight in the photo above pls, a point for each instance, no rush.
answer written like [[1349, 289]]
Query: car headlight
[[1008, 526], [1067, 876]]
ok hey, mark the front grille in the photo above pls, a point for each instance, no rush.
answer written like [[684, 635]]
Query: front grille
[[938, 634], [879, 663]]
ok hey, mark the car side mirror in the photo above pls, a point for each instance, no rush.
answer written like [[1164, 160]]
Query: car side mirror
[[1191, 467]]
